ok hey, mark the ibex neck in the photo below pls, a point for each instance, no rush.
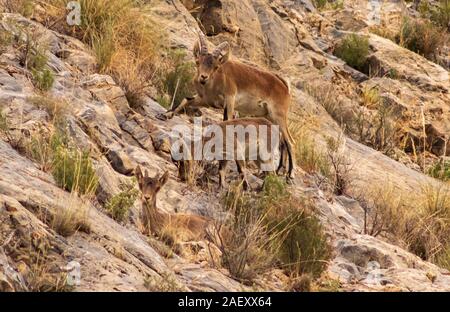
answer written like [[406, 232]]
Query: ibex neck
[[152, 218]]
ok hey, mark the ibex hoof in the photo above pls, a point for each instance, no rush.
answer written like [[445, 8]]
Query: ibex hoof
[[245, 185], [162, 117], [165, 116], [289, 180]]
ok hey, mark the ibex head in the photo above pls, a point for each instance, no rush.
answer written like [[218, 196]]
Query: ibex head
[[209, 63], [150, 186]]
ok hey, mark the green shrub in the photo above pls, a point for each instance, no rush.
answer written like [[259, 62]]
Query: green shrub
[[421, 37], [441, 15], [320, 4], [34, 58], [5, 40], [440, 170], [303, 246], [332, 4], [125, 39], [307, 155], [3, 123], [41, 147], [353, 49], [119, 205], [177, 81], [44, 79], [270, 229], [73, 171]]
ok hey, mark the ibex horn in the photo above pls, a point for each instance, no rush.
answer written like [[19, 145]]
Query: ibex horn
[[218, 51], [203, 45]]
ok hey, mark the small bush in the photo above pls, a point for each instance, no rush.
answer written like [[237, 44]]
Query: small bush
[[33, 58], [428, 230], [23, 7], [124, 37], [72, 217], [248, 250], [42, 146], [164, 283], [419, 221], [3, 123], [119, 205], [43, 79], [55, 108], [443, 258], [6, 39], [73, 171], [270, 229], [332, 4], [303, 247], [341, 169], [177, 80], [384, 211], [440, 170], [307, 155], [353, 49], [439, 14], [421, 37]]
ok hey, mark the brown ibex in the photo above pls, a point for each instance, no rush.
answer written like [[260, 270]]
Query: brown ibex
[[234, 86], [189, 227], [254, 139]]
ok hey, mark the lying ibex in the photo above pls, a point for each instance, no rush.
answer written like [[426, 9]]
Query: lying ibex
[[189, 227], [253, 139], [235, 86]]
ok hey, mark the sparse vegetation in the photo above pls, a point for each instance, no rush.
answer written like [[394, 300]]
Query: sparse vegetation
[[23, 7], [374, 123], [71, 217], [340, 164], [307, 154], [122, 34], [270, 229], [41, 147], [34, 58], [328, 4], [177, 78], [440, 170], [55, 108], [384, 211], [420, 222], [353, 49], [164, 283], [119, 205], [422, 37], [73, 170], [439, 14], [428, 230]]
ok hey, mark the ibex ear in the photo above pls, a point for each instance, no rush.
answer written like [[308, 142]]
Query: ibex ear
[[139, 176], [222, 52], [197, 49], [163, 180]]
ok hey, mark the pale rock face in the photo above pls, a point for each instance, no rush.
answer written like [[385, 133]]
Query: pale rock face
[[290, 37]]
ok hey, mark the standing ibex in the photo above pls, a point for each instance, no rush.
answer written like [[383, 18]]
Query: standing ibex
[[235, 86], [189, 227]]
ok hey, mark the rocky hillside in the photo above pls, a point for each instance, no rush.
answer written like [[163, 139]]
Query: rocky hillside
[[372, 140]]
